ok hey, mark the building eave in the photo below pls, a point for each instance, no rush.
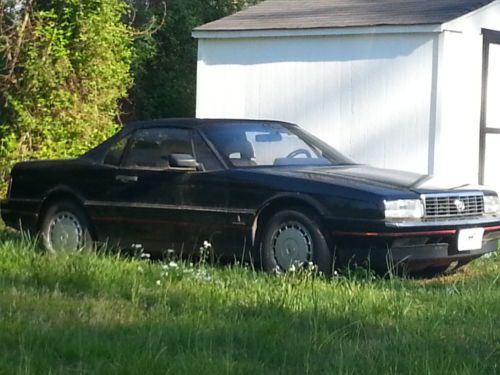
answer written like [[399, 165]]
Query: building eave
[[457, 24], [275, 33]]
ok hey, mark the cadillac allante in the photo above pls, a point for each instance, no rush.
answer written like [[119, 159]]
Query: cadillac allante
[[263, 190]]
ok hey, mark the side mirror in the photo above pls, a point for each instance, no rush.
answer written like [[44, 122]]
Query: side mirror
[[183, 161]]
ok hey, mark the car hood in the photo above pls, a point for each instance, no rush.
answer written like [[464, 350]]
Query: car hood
[[364, 176]]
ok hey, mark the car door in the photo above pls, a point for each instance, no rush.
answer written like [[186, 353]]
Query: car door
[[205, 199], [161, 207], [99, 189]]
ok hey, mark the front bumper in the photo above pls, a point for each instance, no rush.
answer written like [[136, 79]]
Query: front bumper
[[20, 214], [414, 247]]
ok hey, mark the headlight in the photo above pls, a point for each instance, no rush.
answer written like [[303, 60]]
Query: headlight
[[491, 204], [404, 209]]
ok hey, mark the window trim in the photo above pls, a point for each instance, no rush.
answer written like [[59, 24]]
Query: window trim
[[210, 146]]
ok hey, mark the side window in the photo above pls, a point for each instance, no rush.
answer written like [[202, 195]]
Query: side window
[[204, 154], [115, 152], [150, 148]]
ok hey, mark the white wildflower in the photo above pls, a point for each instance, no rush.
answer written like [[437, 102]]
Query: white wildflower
[[173, 265], [203, 276], [158, 282]]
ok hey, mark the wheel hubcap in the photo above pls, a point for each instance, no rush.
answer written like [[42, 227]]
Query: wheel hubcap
[[292, 245], [65, 232]]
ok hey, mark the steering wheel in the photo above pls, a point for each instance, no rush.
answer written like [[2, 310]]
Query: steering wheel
[[300, 151]]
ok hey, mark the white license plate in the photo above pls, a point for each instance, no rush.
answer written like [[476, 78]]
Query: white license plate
[[470, 239]]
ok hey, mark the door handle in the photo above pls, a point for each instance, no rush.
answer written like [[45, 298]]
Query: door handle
[[126, 179]]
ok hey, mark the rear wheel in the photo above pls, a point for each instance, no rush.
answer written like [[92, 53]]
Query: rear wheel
[[294, 238], [65, 228]]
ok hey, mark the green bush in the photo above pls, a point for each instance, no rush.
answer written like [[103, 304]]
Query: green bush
[[73, 68], [66, 66]]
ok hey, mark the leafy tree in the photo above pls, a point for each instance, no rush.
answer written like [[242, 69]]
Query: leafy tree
[[165, 78], [65, 66]]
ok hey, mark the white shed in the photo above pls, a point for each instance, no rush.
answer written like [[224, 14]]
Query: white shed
[[404, 84]]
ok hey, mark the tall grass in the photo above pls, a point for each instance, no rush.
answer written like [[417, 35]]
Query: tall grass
[[91, 313]]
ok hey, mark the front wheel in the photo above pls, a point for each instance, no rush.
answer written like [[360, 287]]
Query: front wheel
[[65, 228], [294, 237]]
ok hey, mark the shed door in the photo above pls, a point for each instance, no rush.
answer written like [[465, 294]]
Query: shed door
[[489, 168]]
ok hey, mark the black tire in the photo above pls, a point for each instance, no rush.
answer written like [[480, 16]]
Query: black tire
[[65, 227], [294, 236]]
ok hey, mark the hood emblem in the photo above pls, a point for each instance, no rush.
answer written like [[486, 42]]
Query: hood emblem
[[460, 205]]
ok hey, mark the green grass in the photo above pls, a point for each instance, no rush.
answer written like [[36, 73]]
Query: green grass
[[104, 314]]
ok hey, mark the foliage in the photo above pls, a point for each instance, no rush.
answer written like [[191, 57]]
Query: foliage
[[66, 67], [165, 78], [90, 313], [71, 68]]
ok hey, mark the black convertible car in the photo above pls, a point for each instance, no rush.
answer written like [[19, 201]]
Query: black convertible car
[[261, 189]]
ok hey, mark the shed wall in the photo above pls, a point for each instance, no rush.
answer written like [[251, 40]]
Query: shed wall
[[459, 107], [370, 96]]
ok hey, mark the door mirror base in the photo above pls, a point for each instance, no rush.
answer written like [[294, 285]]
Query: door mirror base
[[183, 161]]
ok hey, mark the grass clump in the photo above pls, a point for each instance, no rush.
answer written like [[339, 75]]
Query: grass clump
[[90, 313]]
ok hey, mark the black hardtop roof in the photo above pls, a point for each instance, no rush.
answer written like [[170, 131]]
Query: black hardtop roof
[[98, 153], [194, 122]]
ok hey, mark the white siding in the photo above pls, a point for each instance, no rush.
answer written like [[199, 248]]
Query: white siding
[[459, 108], [457, 136], [371, 96]]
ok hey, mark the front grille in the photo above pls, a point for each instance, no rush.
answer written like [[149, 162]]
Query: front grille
[[453, 205]]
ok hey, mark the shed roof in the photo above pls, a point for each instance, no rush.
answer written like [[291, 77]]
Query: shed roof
[[316, 14]]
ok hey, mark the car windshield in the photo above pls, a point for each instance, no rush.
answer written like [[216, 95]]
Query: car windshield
[[256, 144]]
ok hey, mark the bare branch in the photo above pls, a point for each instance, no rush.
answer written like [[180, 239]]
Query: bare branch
[[20, 37], [151, 29], [133, 11]]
